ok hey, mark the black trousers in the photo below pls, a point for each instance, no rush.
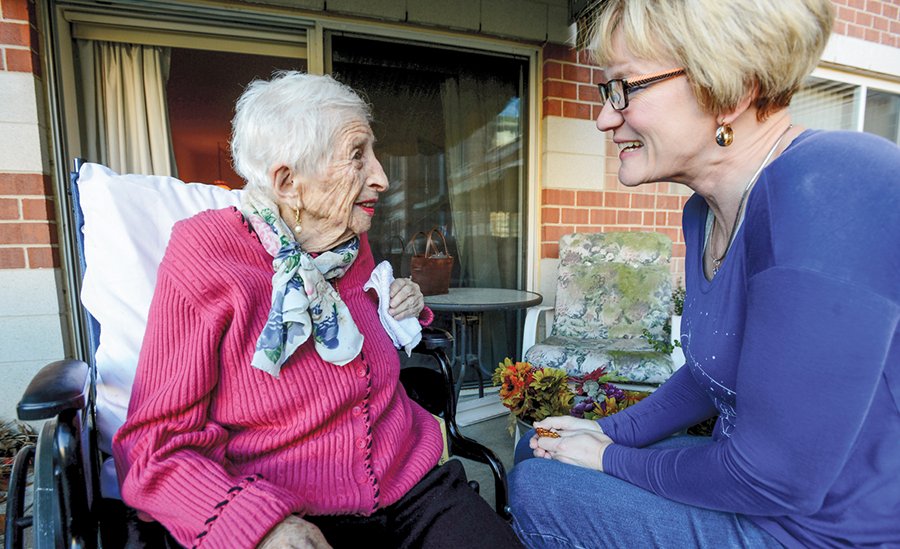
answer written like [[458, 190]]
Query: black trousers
[[441, 511]]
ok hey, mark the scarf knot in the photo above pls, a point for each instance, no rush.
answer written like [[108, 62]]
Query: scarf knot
[[304, 302]]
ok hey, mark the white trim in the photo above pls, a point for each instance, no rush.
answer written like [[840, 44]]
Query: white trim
[[854, 54], [829, 73]]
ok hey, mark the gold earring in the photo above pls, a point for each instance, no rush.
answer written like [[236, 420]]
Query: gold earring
[[297, 227], [724, 135]]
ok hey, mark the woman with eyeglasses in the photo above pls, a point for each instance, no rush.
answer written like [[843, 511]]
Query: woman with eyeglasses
[[791, 325]]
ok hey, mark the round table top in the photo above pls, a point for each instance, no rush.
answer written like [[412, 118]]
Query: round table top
[[471, 300]]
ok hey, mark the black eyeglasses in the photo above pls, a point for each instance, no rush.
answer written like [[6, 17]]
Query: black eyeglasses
[[616, 91]]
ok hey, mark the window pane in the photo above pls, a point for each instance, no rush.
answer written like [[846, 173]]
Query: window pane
[[883, 114], [826, 105], [202, 89], [449, 126]]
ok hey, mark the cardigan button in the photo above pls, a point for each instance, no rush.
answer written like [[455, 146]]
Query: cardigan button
[[357, 410], [360, 443], [361, 371]]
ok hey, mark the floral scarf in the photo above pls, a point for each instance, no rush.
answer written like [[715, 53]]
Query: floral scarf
[[303, 301]]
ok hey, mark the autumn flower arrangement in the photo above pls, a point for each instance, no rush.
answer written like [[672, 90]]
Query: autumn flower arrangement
[[597, 398], [532, 394]]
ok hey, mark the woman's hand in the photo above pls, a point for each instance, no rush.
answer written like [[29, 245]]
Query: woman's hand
[[294, 533], [406, 299], [581, 442]]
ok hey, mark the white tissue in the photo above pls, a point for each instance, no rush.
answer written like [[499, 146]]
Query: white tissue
[[406, 333]]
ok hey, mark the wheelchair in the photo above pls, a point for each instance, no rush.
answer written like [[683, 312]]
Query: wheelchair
[[68, 509]]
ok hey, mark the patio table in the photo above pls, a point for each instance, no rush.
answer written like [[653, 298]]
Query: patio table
[[467, 306]]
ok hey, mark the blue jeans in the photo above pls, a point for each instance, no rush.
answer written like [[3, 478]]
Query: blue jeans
[[559, 505]]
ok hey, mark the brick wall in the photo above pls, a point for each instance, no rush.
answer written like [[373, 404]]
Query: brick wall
[[28, 236], [875, 21]]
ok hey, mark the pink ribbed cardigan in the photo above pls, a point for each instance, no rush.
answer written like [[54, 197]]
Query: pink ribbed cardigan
[[219, 451]]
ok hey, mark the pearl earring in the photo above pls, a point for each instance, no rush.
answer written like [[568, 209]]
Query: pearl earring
[[297, 227]]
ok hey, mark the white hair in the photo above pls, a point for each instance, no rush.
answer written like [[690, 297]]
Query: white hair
[[291, 120]]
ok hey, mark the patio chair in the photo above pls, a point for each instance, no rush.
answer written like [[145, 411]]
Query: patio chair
[[74, 496], [611, 288]]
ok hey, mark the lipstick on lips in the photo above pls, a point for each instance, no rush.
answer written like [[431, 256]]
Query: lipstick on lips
[[368, 206]]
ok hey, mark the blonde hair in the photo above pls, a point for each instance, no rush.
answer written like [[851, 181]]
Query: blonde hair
[[727, 48]]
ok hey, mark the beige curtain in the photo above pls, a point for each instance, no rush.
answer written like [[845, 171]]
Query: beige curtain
[[126, 121], [482, 180]]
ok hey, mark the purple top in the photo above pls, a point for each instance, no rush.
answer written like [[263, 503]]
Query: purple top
[[795, 344]]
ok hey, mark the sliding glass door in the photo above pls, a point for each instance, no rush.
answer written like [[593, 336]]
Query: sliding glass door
[[450, 130]]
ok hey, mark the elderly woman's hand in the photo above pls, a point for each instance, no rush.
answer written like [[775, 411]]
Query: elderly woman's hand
[[406, 299], [294, 533], [581, 442]]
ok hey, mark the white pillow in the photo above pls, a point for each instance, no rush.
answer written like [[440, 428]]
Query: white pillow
[[127, 223]]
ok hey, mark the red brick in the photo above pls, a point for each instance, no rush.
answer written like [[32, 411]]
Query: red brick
[[19, 60], [845, 14], [856, 31], [589, 93], [864, 18], [575, 216], [882, 24], [9, 209], [43, 257], [581, 111], [678, 250], [616, 200], [25, 184], [549, 250], [14, 34], [2, 59], [27, 233], [553, 70], [589, 198], [15, 9], [895, 27], [628, 217], [644, 201], [839, 27], [873, 35], [552, 233], [673, 219], [552, 107], [559, 197], [561, 89], [550, 215], [586, 57], [12, 258], [576, 73], [37, 209], [891, 12], [671, 233], [668, 203], [603, 217]]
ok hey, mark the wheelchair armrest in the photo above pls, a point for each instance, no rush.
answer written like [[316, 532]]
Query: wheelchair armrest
[[57, 387], [529, 332]]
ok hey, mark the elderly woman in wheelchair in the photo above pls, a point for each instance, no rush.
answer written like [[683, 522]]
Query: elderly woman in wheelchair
[[267, 409]]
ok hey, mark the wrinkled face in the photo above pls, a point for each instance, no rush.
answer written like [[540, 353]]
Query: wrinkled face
[[662, 135], [341, 203]]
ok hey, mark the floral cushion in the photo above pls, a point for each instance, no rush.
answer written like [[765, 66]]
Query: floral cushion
[[611, 287], [625, 360]]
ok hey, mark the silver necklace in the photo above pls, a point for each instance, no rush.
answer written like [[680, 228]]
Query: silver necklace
[[717, 261]]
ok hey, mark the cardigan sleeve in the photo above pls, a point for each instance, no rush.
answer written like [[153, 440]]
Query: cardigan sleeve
[[800, 411], [169, 454]]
